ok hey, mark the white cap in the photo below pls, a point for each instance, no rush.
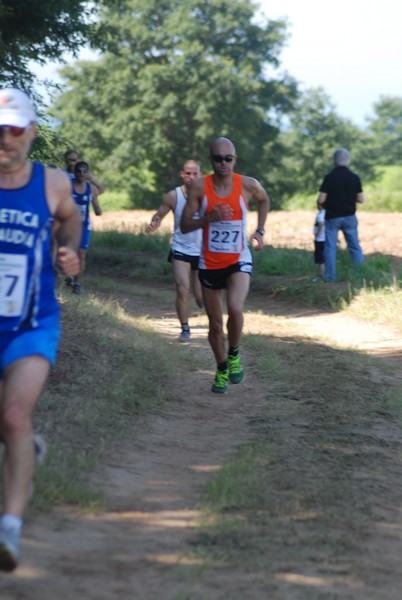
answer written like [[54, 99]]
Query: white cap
[[16, 109]]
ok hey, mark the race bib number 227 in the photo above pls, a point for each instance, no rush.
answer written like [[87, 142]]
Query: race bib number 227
[[225, 236]]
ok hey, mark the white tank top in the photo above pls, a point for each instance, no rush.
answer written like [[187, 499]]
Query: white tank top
[[187, 243]]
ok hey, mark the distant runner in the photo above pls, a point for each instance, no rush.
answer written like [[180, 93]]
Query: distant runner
[[185, 248]]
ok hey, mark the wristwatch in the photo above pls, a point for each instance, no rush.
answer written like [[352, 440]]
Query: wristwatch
[[260, 230]]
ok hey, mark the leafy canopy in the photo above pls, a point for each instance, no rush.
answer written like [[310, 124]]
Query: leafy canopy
[[314, 133], [176, 74], [39, 31], [386, 128]]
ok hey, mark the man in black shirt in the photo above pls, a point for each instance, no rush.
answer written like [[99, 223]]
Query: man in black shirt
[[340, 190]]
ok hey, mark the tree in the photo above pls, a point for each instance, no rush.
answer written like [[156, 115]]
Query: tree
[[47, 144], [176, 74], [315, 131], [386, 128], [40, 31]]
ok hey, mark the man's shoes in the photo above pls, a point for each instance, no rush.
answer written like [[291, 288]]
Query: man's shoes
[[220, 385], [9, 548], [185, 335], [236, 371], [76, 288], [69, 281]]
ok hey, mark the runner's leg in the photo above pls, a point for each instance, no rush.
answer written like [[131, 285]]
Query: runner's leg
[[22, 386], [238, 285], [181, 274], [213, 300], [197, 289]]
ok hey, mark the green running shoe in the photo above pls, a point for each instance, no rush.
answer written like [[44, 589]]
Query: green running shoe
[[220, 385], [236, 371]]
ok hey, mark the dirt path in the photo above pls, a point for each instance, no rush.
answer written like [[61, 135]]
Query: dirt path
[[139, 547]]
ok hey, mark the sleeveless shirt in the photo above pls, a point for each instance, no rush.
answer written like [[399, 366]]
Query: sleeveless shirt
[[83, 201], [225, 242], [27, 283], [186, 243]]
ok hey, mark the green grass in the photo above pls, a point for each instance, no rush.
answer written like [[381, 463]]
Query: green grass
[[385, 195], [130, 255], [300, 489], [281, 272], [294, 491], [105, 350], [115, 201]]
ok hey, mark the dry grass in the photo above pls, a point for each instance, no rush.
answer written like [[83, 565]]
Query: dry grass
[[379, 232]]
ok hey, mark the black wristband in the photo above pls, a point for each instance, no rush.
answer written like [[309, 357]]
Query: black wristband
[[260, 230]]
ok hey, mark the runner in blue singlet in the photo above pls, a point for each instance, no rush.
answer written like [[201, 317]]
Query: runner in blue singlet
[[84, 194], [32, 197]]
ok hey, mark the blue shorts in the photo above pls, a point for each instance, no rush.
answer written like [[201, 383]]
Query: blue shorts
[[86, 234], [43, 340]]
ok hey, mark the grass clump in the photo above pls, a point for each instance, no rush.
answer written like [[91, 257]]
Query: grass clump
[[130, 255], [300, 489], [104, 379]]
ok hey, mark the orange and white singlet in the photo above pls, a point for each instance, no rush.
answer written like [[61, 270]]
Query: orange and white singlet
[[225, 242]]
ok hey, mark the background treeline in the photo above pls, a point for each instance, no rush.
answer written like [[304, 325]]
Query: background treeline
[[172, 75]]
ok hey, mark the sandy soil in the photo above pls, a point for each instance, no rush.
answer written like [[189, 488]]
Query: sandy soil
[[138, 547]]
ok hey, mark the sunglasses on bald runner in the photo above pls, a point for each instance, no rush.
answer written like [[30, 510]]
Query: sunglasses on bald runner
[[12, 130], [219, 158]]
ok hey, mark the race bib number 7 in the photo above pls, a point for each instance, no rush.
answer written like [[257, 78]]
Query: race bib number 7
[[225, 237], [13, 269]]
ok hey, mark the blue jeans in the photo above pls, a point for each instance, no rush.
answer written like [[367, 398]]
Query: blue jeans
[[348, 225]]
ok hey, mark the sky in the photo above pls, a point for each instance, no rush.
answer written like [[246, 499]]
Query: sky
[[350, 48]]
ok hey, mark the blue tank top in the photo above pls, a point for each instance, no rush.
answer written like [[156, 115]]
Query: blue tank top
[[83, 201], [27, 281]]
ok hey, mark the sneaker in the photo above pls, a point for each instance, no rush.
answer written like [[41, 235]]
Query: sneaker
[[185, 335], [69, 281], [76, 288], [9, 549], [220, 385], [236, 371]]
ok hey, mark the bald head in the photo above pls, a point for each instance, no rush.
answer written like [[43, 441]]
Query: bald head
[[191, 170], [222, 145], [191, 164]]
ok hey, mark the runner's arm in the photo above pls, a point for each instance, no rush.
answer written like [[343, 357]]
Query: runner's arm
[[220, 212], [67, 216], [95, 201], [255, 190], [168, 204], [96, 184]]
